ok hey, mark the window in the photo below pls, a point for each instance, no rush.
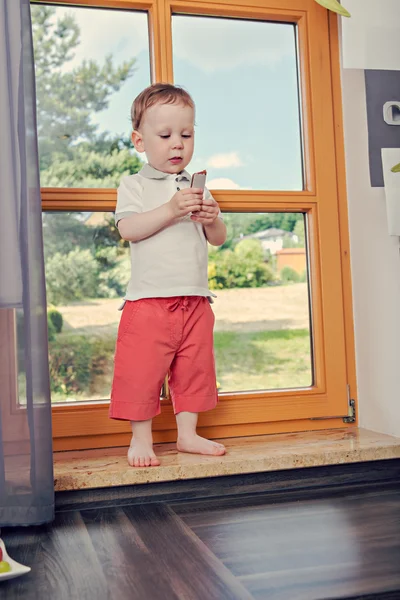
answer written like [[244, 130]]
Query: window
[[89, 65], [267, 111], [262, 332], [253, 140], [262, 268]]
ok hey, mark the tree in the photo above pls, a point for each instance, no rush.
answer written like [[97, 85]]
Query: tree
[[90, 167], [250, 249], [299, 230], [71, 277], [71, 150], [239, 224], [63, 232], [242, 267]]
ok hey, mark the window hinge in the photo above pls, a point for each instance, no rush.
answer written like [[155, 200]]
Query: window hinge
[[351, 416]]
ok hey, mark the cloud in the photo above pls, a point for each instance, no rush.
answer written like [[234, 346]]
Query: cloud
[[212, 44], [225, 161], [121, 33], [223, 183]]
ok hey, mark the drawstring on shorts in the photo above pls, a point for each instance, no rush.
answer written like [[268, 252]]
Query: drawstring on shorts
[[181, 302]]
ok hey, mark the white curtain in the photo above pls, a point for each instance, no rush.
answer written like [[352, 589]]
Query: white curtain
[[26, 462]]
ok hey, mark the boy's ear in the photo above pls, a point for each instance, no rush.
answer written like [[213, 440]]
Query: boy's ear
[[137, 141]]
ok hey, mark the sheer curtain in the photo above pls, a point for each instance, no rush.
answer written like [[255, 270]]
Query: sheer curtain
[[26, 462]]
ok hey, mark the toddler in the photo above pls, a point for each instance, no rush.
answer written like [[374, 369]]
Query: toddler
[[167, 321]]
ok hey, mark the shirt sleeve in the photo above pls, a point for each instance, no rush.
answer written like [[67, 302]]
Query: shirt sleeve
[[207, 196], [129, 198]]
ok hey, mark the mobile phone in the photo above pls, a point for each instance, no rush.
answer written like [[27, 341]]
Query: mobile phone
[[199, 180]]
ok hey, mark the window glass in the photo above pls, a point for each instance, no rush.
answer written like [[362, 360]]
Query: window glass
[[262, 331], [243, 77], [260, 277], [90, 63]]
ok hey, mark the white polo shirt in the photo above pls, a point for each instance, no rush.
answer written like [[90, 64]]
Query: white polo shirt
[[173, 261]]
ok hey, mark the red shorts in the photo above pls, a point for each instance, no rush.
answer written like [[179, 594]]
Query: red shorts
[[157, 336]]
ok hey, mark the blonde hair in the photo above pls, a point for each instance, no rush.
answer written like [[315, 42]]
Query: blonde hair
[[158, 93]]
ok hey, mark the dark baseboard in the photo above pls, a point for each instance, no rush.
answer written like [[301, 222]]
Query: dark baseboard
[[276, 486]]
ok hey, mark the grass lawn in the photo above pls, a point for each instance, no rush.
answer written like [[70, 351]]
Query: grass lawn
[[263, 360], [245, 361], [261, 342]]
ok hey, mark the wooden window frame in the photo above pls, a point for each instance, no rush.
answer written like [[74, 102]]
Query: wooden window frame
[[86, 424]]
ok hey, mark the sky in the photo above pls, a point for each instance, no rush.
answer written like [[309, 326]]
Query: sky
[[242, 75]]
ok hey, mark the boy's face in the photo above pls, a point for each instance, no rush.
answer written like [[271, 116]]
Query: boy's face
[[166, 135]]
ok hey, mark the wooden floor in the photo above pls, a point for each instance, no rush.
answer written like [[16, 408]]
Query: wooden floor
[[242, 547]]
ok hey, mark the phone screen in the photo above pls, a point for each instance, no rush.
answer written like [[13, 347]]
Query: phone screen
[[199, 180]]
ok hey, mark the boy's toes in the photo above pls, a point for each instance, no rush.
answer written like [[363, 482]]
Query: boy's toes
[[142, 456], [219, 450], [219, 445]]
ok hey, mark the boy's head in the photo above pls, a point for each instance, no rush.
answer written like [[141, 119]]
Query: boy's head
[[163, 126]]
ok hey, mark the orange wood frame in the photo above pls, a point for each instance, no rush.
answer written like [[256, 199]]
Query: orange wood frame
[[86, 425]]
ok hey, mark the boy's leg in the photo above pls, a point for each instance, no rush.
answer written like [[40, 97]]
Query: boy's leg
[[141, 453], [192, 378], [143, 357], [189, 441]]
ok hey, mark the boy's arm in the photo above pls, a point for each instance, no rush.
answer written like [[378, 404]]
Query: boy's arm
[[140, 226], [216, 232]]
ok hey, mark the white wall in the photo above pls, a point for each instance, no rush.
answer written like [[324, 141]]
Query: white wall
[[375, 261]]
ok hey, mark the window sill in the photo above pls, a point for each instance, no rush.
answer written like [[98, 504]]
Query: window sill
[[89, 469]]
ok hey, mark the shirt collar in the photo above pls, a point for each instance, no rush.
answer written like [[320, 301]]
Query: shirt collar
[[151, 173]]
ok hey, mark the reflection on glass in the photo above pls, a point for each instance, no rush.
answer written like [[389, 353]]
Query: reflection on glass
[[245, 85], [90, 63], [262, 331]]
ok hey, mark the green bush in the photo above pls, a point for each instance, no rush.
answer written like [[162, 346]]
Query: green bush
[[250, 249], [51, 330], [78, 274], [289, 275], [71, 276], [243, 267], [107, 257], [113, 281], [75, 360], [20, 326], [56, 319]]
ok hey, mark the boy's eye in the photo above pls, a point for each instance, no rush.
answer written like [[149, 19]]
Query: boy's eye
[[165, 136], [186, 135]]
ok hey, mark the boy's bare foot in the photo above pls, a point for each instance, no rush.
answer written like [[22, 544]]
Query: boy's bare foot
[[141, 453], [195, 444]]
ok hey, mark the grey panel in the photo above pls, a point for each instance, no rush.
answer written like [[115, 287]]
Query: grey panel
[[381, 87]]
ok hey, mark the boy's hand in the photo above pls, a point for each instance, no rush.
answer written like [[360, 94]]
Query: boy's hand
[[186, 201], [208, 212]]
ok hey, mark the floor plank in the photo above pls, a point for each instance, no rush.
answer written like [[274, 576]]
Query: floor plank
[[24, 546], [131, 570], [65, 565], [227, 548], [193, 571], [305, 550]]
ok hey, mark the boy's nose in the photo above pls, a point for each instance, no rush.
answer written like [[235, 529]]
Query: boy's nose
[[177, 143]]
